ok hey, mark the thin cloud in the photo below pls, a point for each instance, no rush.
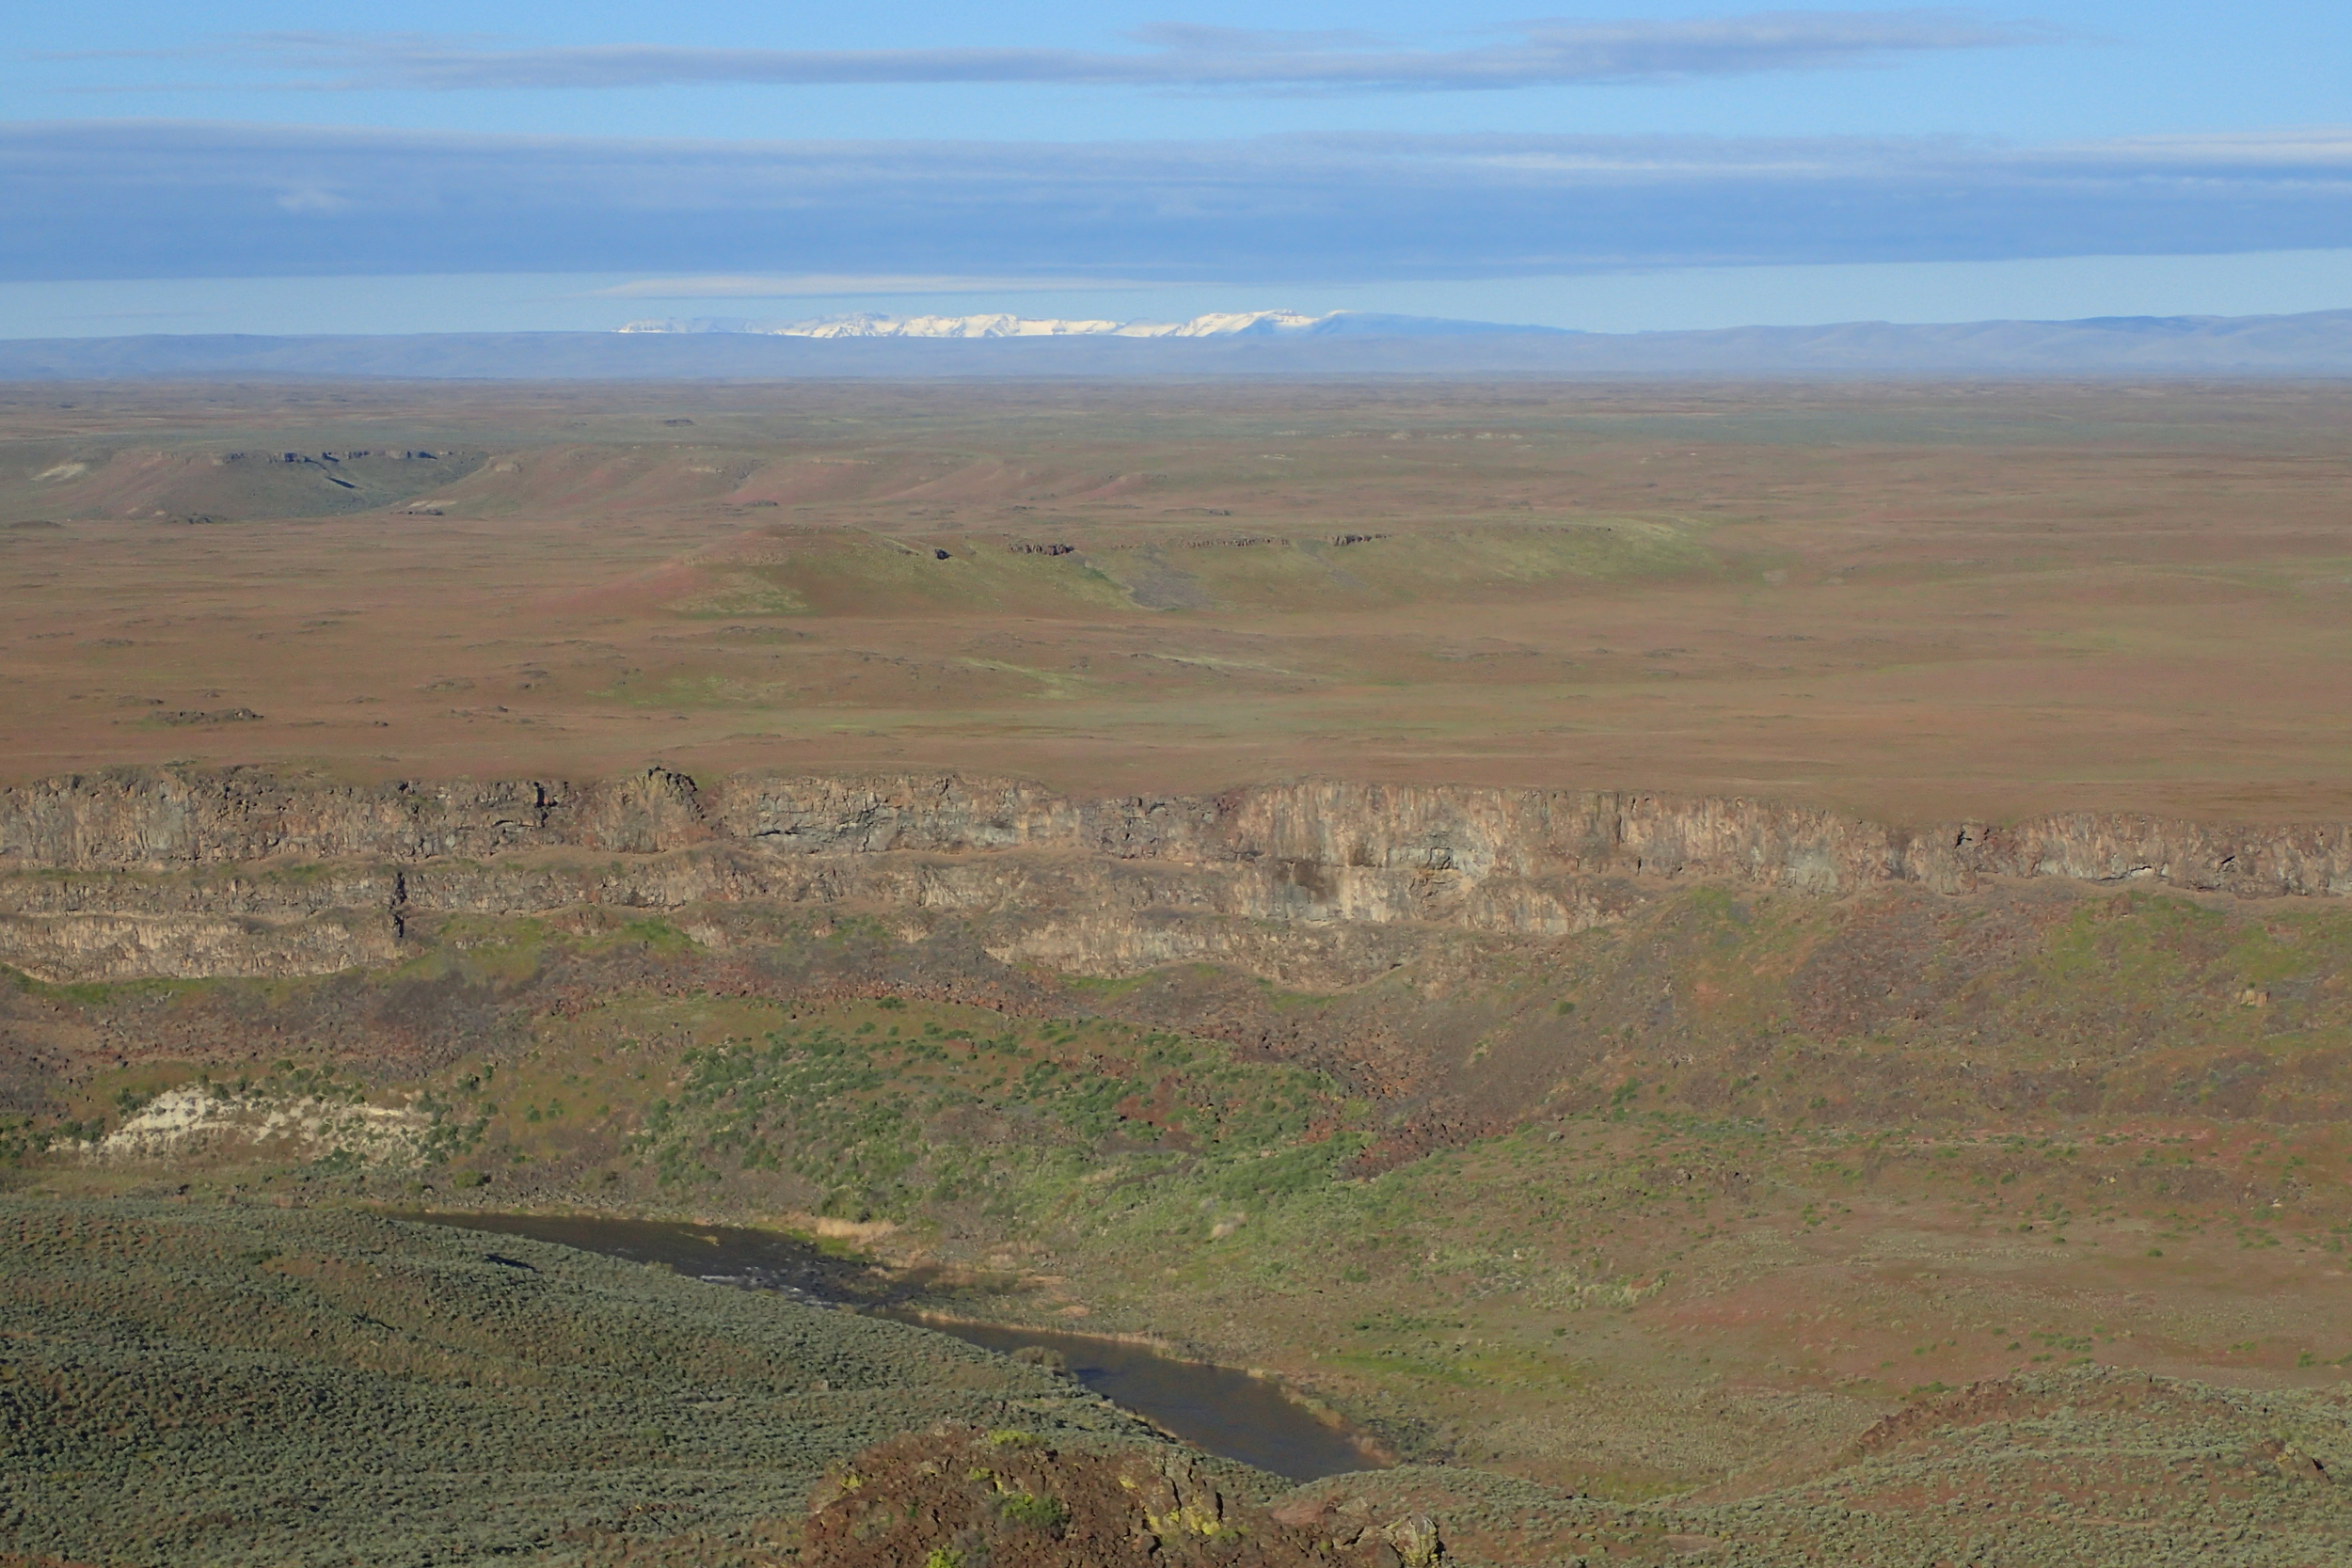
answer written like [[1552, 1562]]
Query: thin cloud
[[1543, 52], [238, 200]]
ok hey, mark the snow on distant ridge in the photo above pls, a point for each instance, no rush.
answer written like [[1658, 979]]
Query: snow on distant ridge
[[1219, 324]]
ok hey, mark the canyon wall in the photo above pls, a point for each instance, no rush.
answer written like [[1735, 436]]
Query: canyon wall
[[138, 873]]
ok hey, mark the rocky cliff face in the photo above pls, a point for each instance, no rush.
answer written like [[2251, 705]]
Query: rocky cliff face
[[138, 873]]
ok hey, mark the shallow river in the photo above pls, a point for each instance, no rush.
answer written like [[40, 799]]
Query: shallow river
[[1216, 1408]]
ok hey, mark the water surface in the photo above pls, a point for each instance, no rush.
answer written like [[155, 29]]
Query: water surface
[[1217, 1409]]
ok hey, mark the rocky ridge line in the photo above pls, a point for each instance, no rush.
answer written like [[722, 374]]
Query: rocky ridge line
[[194, 872], [158, 819]]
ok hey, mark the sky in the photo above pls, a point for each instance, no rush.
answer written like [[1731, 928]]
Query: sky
[[254, 166]]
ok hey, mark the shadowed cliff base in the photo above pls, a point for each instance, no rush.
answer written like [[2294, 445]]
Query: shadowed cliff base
[[1374, 930]]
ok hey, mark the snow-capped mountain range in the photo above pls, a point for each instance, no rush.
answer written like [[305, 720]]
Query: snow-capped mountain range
[[2317, 344], [1265, 324]]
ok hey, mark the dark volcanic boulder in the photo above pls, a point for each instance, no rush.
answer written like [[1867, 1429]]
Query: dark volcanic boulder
[[960, 1497]]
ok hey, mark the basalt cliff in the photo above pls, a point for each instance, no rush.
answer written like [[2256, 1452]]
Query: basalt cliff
[[193, 874]]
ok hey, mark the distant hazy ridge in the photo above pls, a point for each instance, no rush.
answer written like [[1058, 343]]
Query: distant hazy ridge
[[2314, 345]]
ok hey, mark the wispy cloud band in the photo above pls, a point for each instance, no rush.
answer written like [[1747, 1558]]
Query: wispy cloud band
[[132, 200], [1549, 52]]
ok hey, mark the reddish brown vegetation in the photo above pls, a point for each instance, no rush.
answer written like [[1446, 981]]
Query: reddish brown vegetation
[[958, 1497]]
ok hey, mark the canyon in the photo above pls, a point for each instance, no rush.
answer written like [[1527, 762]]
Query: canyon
[[1692, 965]]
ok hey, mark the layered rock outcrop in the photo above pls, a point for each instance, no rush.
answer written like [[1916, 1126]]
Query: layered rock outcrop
[[185, 871]]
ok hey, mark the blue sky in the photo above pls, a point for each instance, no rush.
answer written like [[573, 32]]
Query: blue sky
[[256, 166]]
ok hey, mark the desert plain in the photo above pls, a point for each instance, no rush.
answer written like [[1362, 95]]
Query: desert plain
[[1752, 973], [1910, 600]]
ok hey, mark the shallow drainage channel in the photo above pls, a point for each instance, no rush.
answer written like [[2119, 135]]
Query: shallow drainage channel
[[1219, 1409]]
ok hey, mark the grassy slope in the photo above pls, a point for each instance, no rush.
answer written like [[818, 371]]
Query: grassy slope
[[189, 1384], [1722, 1186], [194, 1383]]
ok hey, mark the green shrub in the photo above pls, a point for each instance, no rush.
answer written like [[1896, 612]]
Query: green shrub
[[1026, 1508]]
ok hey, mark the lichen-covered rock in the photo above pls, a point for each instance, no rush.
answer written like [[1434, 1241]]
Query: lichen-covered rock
[[960, 1497]]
